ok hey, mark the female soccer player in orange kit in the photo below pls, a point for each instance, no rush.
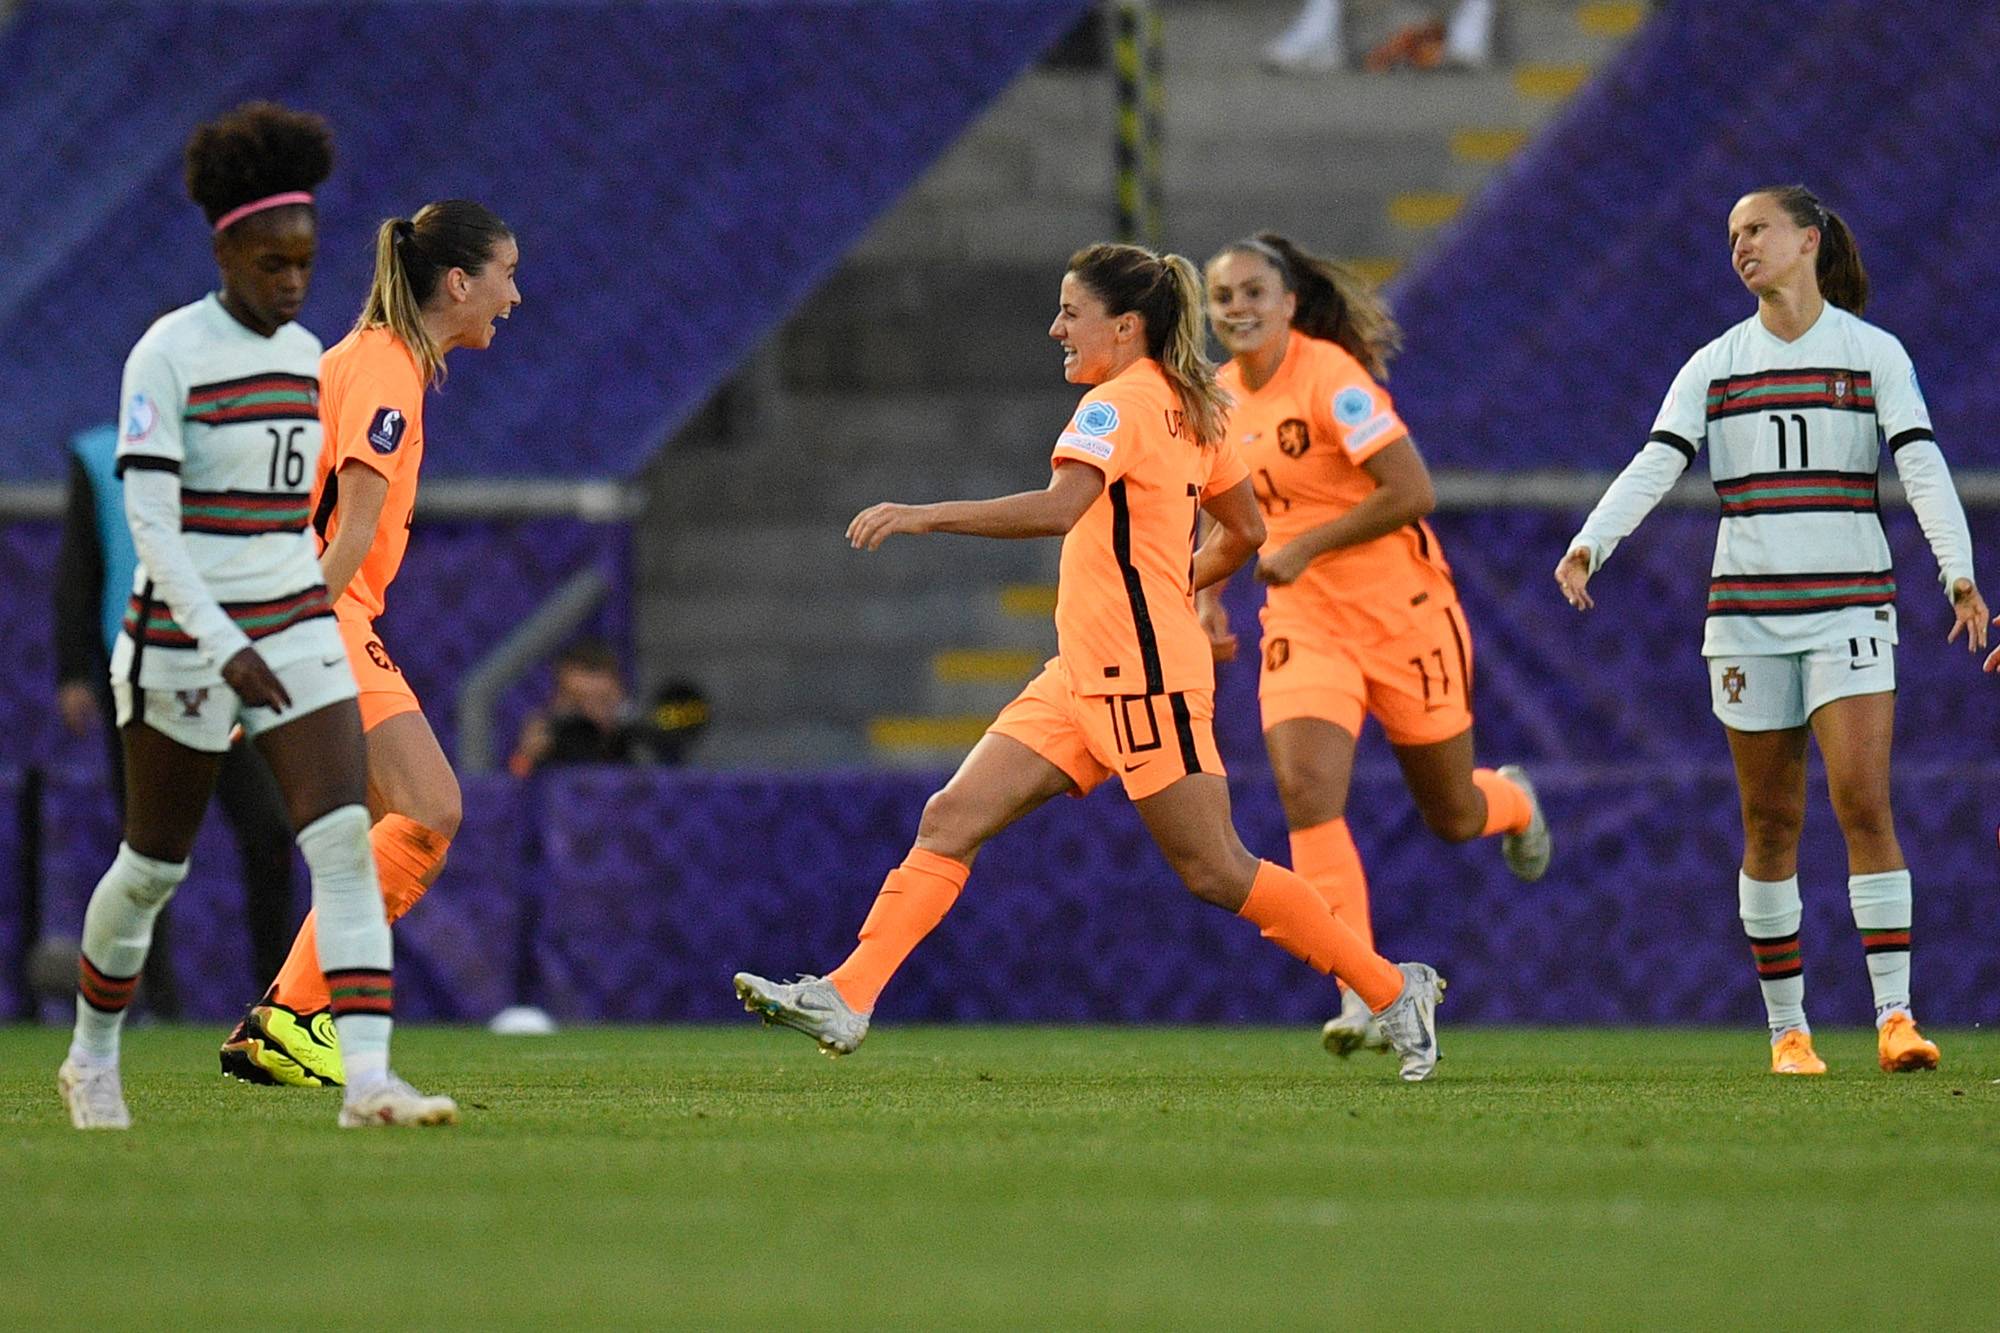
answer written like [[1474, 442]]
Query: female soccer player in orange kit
[[1361, 616], [441, 280], [1131, 690]]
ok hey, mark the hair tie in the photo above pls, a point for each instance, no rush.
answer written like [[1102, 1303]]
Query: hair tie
[[241, 211]]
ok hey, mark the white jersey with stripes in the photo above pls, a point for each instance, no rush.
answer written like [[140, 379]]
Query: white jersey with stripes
[[234, 417], [1795, 433]]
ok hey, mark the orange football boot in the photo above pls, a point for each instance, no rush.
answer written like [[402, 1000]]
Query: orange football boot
[[1793, 1054], [1901, 1048]]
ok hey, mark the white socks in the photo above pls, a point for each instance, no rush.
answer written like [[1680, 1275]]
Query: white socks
[[117, 932], [1881, 904], [355, 952], [1771, 912]]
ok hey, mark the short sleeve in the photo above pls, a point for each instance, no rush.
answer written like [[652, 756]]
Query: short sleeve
[[1102, 433], [1226, 469], [1356, 411], [152, 401], [1899, 401], [1683, 419], [374, 425]]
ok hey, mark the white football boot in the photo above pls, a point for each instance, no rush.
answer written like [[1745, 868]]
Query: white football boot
[[393, 1102], [1353, 1029], [1527, 852], [813, 1005], [94, 1095], [1410, 1023]]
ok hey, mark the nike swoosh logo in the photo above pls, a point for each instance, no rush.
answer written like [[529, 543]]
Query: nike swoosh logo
[[333, 661], [1859, 666], [1134, 768]]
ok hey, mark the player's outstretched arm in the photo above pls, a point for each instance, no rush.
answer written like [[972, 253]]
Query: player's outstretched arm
[[1573, 577], [1045, 513]]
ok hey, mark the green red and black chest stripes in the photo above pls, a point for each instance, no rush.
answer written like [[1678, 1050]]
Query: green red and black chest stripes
[[1798, 594], [1828, 387], [243, 513], [259, 620], [271, 396], [1798, 492]]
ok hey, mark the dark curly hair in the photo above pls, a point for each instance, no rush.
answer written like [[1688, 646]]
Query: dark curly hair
[[257, 150]]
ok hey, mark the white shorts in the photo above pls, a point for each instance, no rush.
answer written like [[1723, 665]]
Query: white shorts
[[1780, 692], [203, 718]]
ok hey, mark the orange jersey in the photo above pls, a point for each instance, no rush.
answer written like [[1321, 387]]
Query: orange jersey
[[371, 408], [1125, 621], [1305, 436]]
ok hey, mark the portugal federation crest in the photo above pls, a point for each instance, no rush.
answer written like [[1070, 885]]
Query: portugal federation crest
[[1733, 683]]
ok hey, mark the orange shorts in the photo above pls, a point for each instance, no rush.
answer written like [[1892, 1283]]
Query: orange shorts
[[384, 692], [1150, 741], [1416, 684]]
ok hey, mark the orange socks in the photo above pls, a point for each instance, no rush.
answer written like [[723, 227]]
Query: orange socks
[[914, 898], [408, 857], [1507, 808], [1295, 918], [1326, 858]]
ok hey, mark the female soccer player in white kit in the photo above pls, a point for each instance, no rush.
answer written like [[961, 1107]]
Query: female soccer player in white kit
[[1794, 405], [229, 623]]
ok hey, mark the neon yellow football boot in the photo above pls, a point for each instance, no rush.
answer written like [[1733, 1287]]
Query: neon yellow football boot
[[275, 1046]]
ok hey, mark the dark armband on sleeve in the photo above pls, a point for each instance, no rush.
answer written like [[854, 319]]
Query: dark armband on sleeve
[[1911, 436], [146, 463], [1674, 441]]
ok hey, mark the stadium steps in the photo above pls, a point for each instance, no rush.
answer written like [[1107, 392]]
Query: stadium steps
[[921, 369]]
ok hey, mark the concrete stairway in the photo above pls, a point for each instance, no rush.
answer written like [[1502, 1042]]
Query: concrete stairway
[[922, 371]]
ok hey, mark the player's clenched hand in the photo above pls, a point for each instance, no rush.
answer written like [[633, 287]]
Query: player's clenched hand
[[878, 522], [1214, 618], [1573, 577], [1969, 610], [1282, 566], [255, 683]]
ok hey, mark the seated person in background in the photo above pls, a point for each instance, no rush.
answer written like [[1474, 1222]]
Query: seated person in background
[[1427, 40], [590, 717]]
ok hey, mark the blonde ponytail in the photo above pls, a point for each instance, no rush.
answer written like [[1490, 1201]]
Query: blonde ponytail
[[412, 255], [1166, 292], [1184, 359], [393, 305]]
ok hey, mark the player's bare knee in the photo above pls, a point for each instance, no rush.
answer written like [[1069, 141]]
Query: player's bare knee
[[1865, 818], [1221, 875], [949, 825], [1771, 832], [441, 810], [1308, 789]]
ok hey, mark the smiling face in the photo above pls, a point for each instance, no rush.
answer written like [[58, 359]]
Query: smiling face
[[1248, 305], [477, 299], [1096, 343], [1767, 249], [267, 263]]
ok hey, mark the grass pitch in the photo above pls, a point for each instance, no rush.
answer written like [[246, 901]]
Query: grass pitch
[[1018, 1178]]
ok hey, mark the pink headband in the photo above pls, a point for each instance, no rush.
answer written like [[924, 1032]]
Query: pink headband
[[236, 215]]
